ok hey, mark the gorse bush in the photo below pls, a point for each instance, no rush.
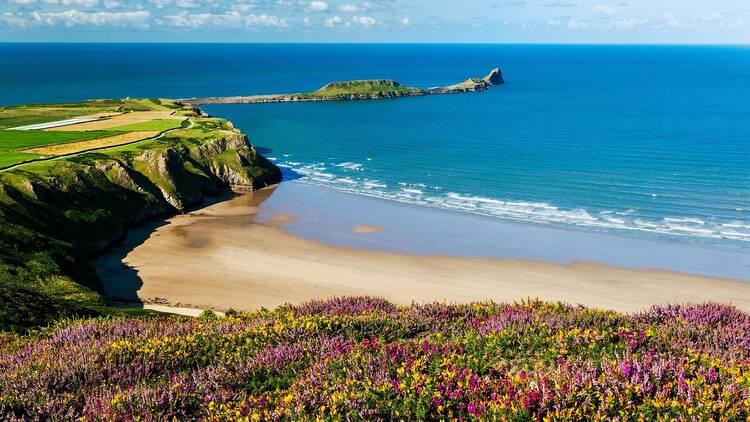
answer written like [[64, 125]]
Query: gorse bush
[[364, 358]]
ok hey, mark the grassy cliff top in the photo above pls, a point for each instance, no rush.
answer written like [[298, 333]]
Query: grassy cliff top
[[26, 128], [364, 88], [21, 115], [367, 359]]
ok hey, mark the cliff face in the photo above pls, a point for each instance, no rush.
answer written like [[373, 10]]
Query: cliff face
[[56, 214]]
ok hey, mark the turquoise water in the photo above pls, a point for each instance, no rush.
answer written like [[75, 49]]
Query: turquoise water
[[644, 141]]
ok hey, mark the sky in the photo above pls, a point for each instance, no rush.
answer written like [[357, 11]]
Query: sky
[[439, 21]]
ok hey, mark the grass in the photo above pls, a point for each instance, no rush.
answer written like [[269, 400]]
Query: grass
[[11, 141], [159, 125], [361, 88], [9, 158]]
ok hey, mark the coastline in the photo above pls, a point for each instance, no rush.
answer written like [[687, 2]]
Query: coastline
[[244, 254]]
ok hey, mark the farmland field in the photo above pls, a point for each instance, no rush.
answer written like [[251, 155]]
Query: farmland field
[[13, 142], [132, 118], [119, 122], [109, 141], [159, 125], [42, 113], [8, 158]]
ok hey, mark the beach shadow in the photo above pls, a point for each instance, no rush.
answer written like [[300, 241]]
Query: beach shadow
[[121, 282]]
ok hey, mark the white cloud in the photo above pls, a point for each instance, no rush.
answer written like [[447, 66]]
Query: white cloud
[[23, 2], [14, 19], [365, 21], [350, 8], [317, 6], [111, 4], [71, 18], [224, 20], [265, 20], [187, 4], [242, 7], [159, 3], [333, 21], [81, 3], [405, 22], [605, 9]]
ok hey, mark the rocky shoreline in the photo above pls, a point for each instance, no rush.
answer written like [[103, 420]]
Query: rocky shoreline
[[347, 91]]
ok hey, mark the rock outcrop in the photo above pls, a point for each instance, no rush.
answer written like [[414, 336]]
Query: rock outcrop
[[495, 77]]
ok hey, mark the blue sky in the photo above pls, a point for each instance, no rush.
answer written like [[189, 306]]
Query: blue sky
[[493, 21]]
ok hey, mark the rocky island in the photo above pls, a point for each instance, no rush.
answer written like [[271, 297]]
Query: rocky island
[[370, 89]]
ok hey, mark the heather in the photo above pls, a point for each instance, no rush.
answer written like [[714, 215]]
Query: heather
[[365, 358]]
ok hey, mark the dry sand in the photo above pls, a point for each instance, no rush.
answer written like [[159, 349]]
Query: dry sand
[[219, 258]]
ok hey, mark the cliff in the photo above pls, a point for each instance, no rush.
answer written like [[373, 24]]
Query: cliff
[[55, 214]]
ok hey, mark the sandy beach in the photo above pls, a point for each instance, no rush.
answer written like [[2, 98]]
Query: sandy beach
[[221, 257]]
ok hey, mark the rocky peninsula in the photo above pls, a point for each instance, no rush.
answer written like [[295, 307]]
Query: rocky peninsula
[[371, 89]]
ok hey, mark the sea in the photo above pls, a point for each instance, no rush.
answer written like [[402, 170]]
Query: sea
[[639, 141]]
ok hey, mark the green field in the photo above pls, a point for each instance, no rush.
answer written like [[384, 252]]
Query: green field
[[159, 125], [23, 115], [11, 141], [8, 158]]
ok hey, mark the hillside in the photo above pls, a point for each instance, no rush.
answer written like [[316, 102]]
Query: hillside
[[56, 213], [365, 89], [364, 358]]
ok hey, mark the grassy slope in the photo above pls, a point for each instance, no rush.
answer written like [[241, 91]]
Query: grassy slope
[[54, 214], [366, 359], [359, 88]]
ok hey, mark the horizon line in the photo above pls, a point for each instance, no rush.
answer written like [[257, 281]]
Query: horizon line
[[738, 44]]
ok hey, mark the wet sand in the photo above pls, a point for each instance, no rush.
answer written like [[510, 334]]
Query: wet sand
[[222, 257]]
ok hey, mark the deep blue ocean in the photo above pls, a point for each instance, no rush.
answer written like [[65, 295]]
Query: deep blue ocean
[[645, 141]]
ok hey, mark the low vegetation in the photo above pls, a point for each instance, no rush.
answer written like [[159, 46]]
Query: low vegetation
[[363, 89], [364, 358]]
